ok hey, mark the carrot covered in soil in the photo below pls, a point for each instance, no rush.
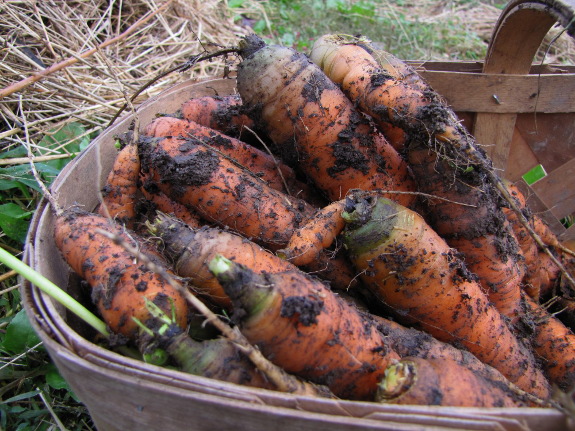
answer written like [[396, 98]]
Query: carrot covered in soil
[[222, 113], [263, 165], [554, 343], [445, 160], [303, 327], [164, 204], [313, 124], [432, 382], [119, 193], [192, 249], [120, 286], [222, 192], [412, 270]]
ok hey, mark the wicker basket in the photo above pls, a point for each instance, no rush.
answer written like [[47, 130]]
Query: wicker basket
[[126, 394]]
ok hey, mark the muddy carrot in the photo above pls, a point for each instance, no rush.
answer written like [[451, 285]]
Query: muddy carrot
[[119, 193], [306, 329], [411, 269], [313, 124], [120, 286], [441, 382]]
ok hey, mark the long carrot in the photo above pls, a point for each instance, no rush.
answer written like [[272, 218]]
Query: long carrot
[[313, 124], [410, 268], [222, 192], [278, 175], [119, 193], [306, 329], [445, 160], [120, 287], [417, 381], [192, 249]]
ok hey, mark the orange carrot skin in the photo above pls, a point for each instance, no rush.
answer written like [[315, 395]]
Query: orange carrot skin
[[222, 113], [313, 124], [164, 204], [250, 157], [319, 233], [309, 331], [411, 269], [119, 193], [192, 249], [443, 383], [119, 285], [221, 192], [553, 342], [277, 174]]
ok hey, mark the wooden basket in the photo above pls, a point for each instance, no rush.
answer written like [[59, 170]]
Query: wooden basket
[[522, 114], [126, 394]]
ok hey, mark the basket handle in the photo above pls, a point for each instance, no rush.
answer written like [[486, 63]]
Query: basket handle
[[516, 38]]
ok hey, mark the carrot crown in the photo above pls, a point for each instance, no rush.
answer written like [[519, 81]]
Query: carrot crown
[[370, 222]]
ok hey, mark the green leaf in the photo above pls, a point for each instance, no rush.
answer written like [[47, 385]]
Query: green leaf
[[259, 26], [18, 176], [14, 221], [20, 397], [235, 3], [70, 138], [54, 379], [15, 152], [20, 335]]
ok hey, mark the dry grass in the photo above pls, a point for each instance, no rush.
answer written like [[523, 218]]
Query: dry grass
[[37, 35]]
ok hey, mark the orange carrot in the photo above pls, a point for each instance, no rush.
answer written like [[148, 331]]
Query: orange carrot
[[222, 113], [308, 242], [445, 160], [554, 343], [441, 382], [166, 205], [120, 286], [119, 193], [192, 249], [411, 269], [313, 124], [306, 329], [278, 175], [221, 192]]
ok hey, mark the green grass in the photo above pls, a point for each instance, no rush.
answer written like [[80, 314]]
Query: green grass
[[298, 23]]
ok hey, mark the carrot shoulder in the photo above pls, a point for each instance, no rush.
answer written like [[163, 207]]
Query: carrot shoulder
[[306, 329], [442, 383], [411, 269]]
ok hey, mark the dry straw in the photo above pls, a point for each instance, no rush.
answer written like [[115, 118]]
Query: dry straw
[[73, 61]]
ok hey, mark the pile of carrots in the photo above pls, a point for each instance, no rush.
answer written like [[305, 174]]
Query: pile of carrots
[[337, 213]]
